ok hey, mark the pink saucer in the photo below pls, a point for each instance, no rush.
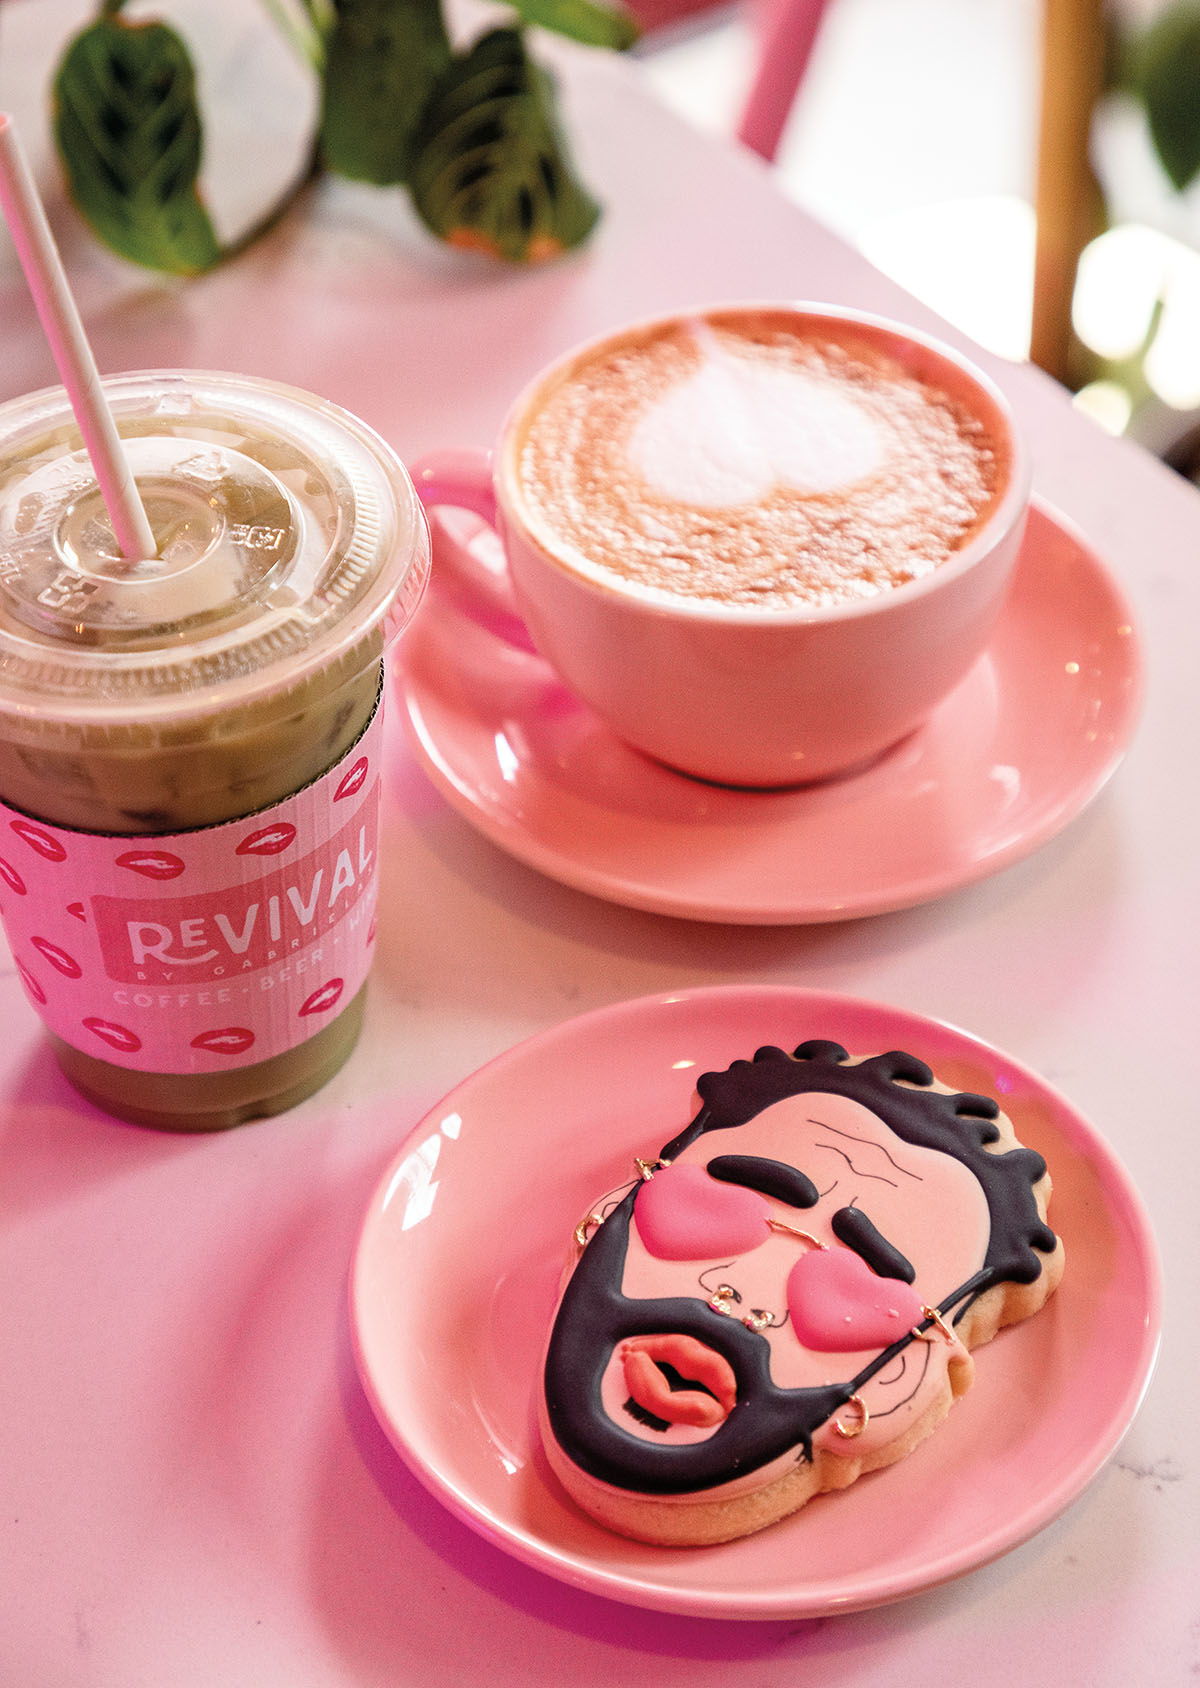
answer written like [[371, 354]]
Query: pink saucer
[[456, 1269], [1027, 739]]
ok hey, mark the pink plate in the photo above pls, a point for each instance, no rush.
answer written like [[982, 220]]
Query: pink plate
[[1019, 748], [456, 1272]]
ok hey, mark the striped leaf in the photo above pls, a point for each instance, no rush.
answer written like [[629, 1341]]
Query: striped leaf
[[129, 135], [383, 58], [490, 169]]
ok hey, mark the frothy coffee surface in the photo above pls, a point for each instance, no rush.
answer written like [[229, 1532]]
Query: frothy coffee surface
[[755, 459]]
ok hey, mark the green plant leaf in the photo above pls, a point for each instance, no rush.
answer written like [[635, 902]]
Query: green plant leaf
[[490, 168], [129, 135], [1164, 70], [582, 20], [383, 59]]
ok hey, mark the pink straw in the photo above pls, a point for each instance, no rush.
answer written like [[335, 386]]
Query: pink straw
[[60, 318]]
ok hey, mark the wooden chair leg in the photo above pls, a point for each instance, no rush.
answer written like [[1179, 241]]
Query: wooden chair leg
[[1067, 194]]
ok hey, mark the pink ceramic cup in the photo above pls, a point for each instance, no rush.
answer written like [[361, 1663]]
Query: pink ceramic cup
[[756, 695]]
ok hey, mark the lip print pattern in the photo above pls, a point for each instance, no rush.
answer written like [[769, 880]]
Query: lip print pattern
[[268, 840], [43, 842], [117, 1037], [684, 1214], [353, 781], [253, 901], [838, 1305], [224, 1040], [66, 964], [11, 877], [323, 999], [152, 864]]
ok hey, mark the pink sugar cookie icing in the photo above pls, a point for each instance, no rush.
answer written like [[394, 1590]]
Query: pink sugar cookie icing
[[683, 1214], [837, 1303], [816, 1235]]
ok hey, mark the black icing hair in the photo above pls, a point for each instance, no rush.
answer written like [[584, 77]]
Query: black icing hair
[[898, 1088]]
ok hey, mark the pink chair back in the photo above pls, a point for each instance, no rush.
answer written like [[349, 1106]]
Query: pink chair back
[[787, 32]]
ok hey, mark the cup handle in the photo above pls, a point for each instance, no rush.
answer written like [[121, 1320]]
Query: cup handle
[[467, 564]]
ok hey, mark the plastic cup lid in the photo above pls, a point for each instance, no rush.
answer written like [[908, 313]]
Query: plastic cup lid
[[288, 533]]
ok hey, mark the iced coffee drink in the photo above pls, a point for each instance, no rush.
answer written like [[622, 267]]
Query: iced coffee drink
[[189, 744]]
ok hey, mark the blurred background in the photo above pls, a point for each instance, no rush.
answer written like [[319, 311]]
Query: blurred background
[[1030, 169], [930, 133]]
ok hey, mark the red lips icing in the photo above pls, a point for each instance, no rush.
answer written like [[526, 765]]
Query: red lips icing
[[705, 1406], [838, 1304]]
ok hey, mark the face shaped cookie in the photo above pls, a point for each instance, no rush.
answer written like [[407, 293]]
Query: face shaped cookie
[[786, 1297]]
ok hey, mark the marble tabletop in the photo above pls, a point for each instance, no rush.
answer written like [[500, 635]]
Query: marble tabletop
[[195, 1488]]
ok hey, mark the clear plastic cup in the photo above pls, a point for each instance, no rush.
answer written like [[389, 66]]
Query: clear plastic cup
[[219, 704]]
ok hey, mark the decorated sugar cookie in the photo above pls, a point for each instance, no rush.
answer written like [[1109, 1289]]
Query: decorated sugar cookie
[[785, 1296]]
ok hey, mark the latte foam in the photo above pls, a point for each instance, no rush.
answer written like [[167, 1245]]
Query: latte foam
[[736, 428], [754, 459]]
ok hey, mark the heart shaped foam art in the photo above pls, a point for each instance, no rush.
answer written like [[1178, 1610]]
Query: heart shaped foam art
[[734, 429], [838, 1304], [684, 1214]]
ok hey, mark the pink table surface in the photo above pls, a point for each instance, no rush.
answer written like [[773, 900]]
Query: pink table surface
[[193, 1488]]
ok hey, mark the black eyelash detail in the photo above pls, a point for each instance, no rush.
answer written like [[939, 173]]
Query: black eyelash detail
[[643, 1415]]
